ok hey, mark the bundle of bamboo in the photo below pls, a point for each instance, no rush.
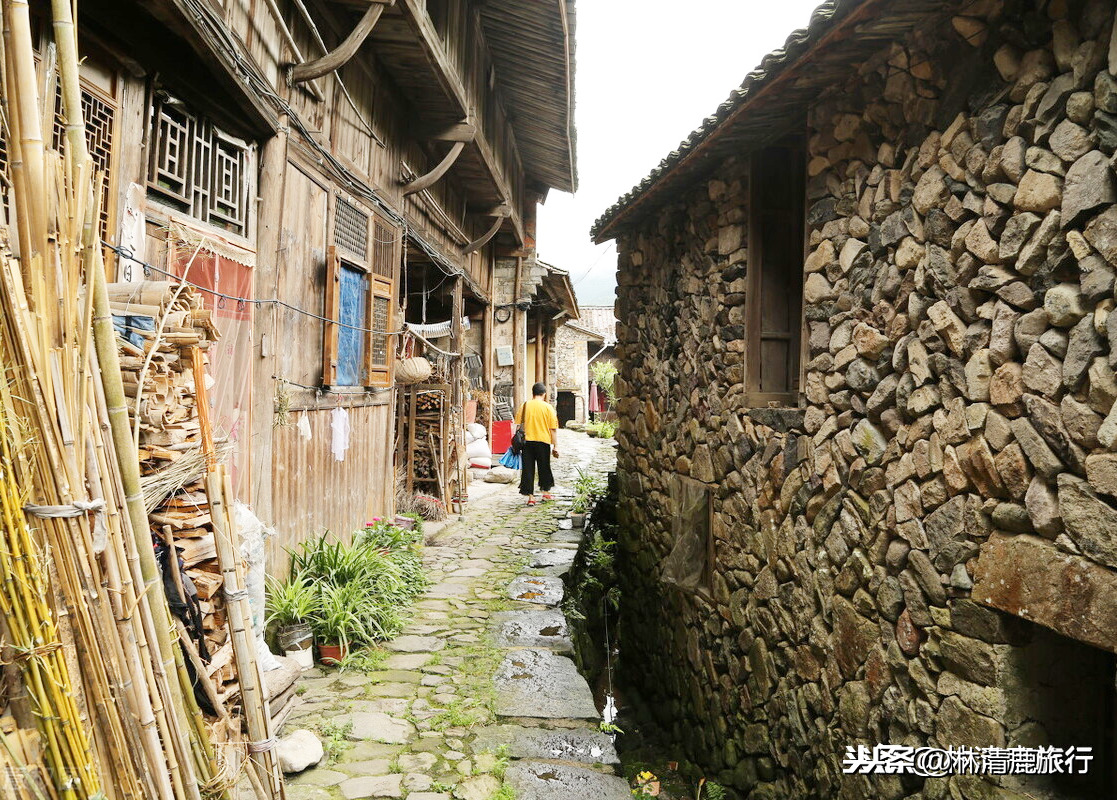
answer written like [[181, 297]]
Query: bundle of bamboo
[[87, 620]]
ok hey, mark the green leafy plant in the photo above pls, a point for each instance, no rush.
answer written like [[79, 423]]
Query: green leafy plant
[[605, 376], [335, 739], [710, 790], [359, 589], [292, 601], [609, 727], [365, 660]]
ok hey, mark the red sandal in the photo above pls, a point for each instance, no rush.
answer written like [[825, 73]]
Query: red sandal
[[548, 497], [531, 500]]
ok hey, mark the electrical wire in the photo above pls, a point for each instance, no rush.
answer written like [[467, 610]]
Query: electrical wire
[[242, 302], [220, 36]]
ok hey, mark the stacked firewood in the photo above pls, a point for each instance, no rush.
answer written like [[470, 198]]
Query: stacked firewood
[[163, 329]]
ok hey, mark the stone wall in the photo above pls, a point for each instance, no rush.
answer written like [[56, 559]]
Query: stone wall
[[954, 446]]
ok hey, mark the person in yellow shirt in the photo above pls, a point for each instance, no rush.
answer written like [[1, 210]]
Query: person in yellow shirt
[[540, 423]]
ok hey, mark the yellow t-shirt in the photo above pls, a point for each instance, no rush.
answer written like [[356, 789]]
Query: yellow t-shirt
[[538, 418]]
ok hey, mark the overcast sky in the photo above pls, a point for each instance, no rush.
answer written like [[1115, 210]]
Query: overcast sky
[[648, 73]]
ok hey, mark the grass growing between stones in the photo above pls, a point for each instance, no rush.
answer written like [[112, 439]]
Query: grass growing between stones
[[334, 739]]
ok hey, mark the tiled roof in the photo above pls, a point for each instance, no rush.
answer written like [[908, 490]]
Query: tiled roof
[[823, 19]]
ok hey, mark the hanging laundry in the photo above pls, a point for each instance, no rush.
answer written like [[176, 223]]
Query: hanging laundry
[[304, 426], [339, 423]]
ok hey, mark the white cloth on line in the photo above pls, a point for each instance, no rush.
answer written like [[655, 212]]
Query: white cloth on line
[[304, 426], [339, 423]]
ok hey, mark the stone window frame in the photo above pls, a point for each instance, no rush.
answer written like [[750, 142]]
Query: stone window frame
[[753, 332]]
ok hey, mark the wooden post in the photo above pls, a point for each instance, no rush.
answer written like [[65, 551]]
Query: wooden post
[[265, 333], [457, 393], [519, 343], [540, 351], [487, 359]]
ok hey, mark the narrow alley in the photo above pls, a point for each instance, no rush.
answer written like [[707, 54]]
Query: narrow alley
[[477, 697]]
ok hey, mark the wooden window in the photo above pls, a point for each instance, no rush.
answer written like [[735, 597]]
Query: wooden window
[[99, 112], [197, 168], [775, 276], [360, 294]]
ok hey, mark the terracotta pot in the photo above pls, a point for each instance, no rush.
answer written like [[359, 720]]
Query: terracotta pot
[[332, 653], [405, 523], [470, 412], [577, 519]]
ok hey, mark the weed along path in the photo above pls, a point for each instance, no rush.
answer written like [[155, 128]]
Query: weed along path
[[478, 698]]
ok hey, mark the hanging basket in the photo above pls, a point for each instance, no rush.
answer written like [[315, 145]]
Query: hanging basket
[[412, 370]]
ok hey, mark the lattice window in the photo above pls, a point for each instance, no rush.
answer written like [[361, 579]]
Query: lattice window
[[199, 169], [100, 127], [351, 229], [381, 319], [384, 252]]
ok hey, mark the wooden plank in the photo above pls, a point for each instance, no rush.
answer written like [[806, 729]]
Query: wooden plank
[[332, 312]]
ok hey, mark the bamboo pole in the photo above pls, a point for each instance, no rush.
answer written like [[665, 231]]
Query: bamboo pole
[[261, 744]]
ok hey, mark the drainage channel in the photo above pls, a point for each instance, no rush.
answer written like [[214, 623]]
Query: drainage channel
[[550, 721]]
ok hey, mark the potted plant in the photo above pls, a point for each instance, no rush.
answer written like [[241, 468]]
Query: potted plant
[[578, 510], [337, 621], [291, 606]]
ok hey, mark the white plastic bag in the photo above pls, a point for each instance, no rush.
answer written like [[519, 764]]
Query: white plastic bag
[[253, 533]]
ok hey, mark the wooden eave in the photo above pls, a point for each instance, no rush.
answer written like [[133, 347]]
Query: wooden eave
[[774, 98], [532, 46], [179, 21], [410, 49]]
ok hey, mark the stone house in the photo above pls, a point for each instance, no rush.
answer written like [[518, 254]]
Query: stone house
[[574, 344], [868, 487]]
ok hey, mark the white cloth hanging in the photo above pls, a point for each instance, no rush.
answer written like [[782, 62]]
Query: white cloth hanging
[[339, 423], [304, 426]]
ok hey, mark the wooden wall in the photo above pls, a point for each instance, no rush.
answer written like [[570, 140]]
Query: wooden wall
[[312, 493]]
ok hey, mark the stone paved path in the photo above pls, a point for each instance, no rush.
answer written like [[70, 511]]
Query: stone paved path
[[476, 699]]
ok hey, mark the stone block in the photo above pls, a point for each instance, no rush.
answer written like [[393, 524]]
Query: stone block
[[1033, 579]]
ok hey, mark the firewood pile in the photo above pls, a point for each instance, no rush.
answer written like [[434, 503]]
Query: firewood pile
[[162, 330]]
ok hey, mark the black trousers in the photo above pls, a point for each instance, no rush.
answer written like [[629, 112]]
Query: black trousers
[[536, 454]]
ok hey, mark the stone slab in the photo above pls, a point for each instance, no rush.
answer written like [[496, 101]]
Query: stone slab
[[377, 727], [415, 644], [551, 557], [372, 787], [540, 781], [581, 745], [544, 591], [1031, 578], [544, 628], [541, 684]]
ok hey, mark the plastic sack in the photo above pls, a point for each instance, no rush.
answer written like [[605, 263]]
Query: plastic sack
[[253, 533], [478, 449], [476, 430], [481, 463]]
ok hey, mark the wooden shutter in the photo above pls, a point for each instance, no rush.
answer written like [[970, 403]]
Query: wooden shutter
[[333, 312], [380, 351]]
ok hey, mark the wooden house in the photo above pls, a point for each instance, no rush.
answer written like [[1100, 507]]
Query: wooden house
[[327, 172]]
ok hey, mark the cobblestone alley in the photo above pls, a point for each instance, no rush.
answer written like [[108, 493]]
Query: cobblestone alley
[[477, 698]]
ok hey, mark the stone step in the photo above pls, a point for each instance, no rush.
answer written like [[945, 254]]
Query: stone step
[[540, 684], [542, 781]]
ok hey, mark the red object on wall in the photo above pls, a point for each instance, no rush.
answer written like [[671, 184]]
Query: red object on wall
[[502, 436]]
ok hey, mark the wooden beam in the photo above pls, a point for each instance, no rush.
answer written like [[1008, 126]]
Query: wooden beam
[[477, 244], [458, 132], [432, 177], [340, 56]]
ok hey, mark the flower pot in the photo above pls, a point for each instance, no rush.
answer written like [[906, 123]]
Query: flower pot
[[304, 658], [332, 653], [470, 412], [294, 636], [404, 523], [577, 518]]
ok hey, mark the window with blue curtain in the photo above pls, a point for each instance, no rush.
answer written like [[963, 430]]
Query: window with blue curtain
[[351, 342]]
